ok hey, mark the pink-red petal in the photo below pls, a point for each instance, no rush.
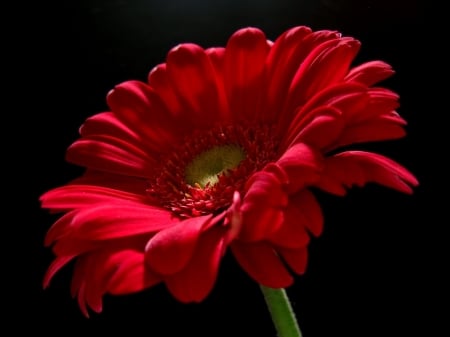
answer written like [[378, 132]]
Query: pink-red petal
[[302, 165], [358, 168], [370, 73], [118, 220], [104, 156], [284, 58], [193, 79], [245, 57], [74, 196], [370, 131], [262, 263], [54, 267], [320, 128], [107, 124], [326, 65], [262, 206], [142, 110], [131, 274], [196, 280], [170, 250], [119, 182], [306, 203], [296, 259]]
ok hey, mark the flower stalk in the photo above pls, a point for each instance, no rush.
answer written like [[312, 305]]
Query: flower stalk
[[280, 309]]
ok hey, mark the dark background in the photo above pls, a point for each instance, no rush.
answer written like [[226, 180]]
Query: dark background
[[366, 272]]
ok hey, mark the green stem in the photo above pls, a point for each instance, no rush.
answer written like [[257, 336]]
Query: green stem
[[280, 309]]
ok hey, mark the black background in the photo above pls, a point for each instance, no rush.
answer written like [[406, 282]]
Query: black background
[[366, 272]]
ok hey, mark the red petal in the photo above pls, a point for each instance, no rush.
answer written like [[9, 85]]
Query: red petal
[[193, 78], [262, 206], [297, 259], [382, 101], [117, 268], [142, 110], [370, 131], [69, 197], [197, 279], [113, 181], [160, 82], [217, 59], [262, 263], [358, 168], [108, 221], [171, 249], [95, 279], [320, 128], [283, 60], [78, 284], [326, 65], [292, 233], [54, 267], [303, 213], [233, 218], [352, 102], [107, 125], [302, 165], [245, 56], [370, 73], [67, 245], [131, 275], [108, 157], [353, 94], [310, 209], [59, 228], [292, 54]]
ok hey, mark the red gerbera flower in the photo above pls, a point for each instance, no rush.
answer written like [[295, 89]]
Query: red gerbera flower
[[218, 151]]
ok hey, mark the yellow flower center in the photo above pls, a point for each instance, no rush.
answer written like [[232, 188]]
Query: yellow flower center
[[204, 170]]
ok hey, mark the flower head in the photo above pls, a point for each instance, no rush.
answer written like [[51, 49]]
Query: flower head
[[218, 152]]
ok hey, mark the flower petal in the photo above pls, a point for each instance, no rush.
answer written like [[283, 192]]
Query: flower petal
[[285, 56], [78, 284], [74, 196], [302, 213], [116, 268], [245, 57], [115, 220], [142, 110], [192, 75], [358, 168], [130, 275], [195, 281], [54, 267], [106, 125], [302, 165], [105, 156], [169, 250], [113, 181], [217, 58], [262, 263], [262, 206], [320, 128], [371, 131], [67, 245], [159, 80], [326, 65], [370, 73], [297, 259], [310, 209]]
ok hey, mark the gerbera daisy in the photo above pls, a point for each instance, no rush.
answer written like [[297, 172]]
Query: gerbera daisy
[[216, 152]]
